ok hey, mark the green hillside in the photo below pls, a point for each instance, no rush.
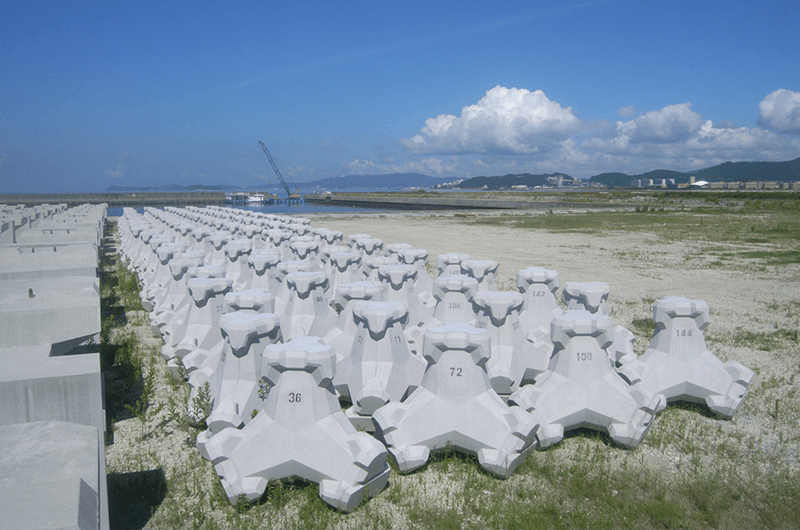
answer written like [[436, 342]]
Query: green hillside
[[506, 181], [727, 172]]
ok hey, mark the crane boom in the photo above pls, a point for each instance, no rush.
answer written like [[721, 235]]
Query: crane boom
[[280, 176]]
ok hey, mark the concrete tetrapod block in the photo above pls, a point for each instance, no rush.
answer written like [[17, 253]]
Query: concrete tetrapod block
[[218, 241], [203, 338], [353, 238], [131, 246], [201, 239], [379, 368], [251, 301], [238, 268], [306, 250], [252, 232], [233, 227], [539, 303], [344, 267], [301, 432], [482, 270], [399, 285], [369, 247], [298, 228], [392, 249], [593, 297], [185, 230], [341, 337], [450, 264], [453, 295], [679, 365], [158, 283], [370, 266], [455, 407], [581, 389], [235, 384], [280, 240], [139, 260], [283, 269], [175, 298], [264, 274], [150, 274], [588, 296], [51, 476], [307, 311], [330, 237], [513, 361], [325, 256], [418, 257], [175, 331]]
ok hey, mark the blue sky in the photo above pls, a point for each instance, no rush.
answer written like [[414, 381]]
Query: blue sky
[[94, 94]]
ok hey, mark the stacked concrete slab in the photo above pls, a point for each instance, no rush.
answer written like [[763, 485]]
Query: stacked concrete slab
[[52, 417], [424, 363]]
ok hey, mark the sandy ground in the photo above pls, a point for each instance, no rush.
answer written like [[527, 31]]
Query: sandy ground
[[636, 266]]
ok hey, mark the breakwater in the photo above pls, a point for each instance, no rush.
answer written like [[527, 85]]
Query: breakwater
[[448, 202], [201, 198]]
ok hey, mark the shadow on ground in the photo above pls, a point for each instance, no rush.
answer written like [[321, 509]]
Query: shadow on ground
[[133, 497]]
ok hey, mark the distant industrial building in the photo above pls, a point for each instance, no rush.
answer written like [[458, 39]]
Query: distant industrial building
[[755, 185], [653, 183]]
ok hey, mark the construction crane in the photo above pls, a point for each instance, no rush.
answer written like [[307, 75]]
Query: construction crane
[[291, 195]]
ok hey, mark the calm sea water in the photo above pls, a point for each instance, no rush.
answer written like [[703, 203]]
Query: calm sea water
[[303, 207], [279, 209]]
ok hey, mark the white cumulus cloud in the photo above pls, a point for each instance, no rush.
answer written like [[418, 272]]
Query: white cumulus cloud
[[119, 171], [670, 124], [780, 111], [505, 121], [513, 130]]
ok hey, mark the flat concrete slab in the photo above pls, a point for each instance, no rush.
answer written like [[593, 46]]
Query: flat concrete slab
[[60, 312], [51, 476]]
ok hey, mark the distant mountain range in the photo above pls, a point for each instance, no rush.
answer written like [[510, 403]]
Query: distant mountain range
[[507, 181], [728, 172]]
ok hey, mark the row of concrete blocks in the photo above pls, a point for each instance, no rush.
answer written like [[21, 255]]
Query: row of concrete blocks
[[52, 417], [423, 385]]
